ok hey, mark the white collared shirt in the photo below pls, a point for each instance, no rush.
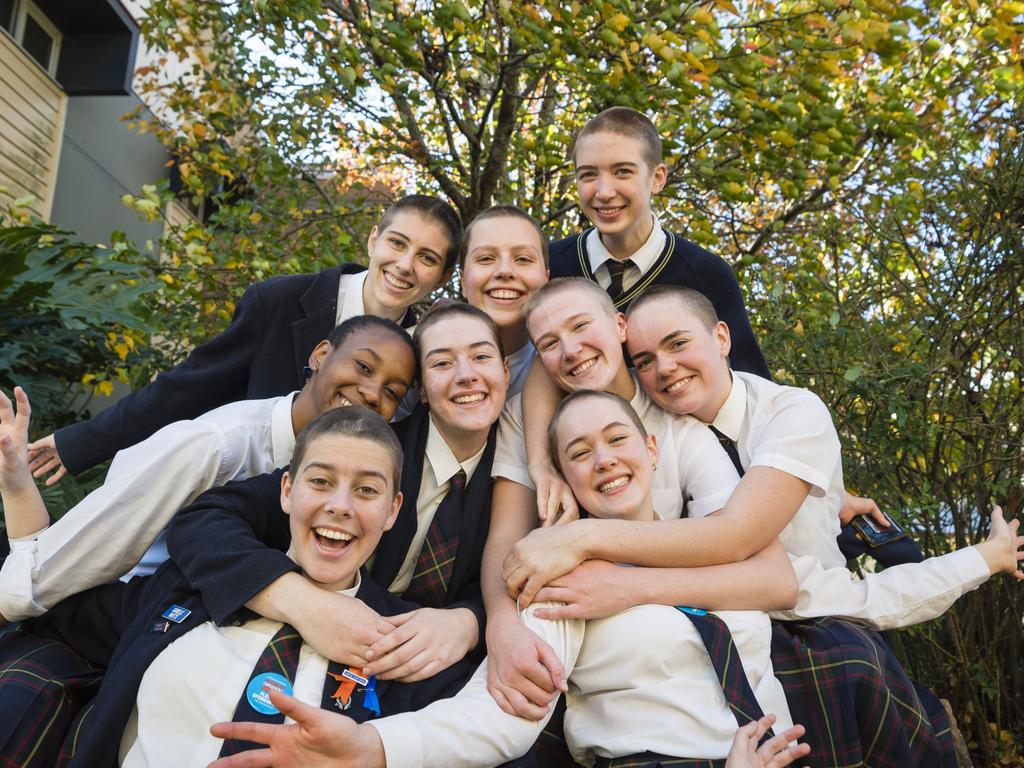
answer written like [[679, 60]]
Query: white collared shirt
[[197, 681], [663, 697], [639, 262], [692, 465], [107, 532], [791, 430], [350, 296], [439, 466]]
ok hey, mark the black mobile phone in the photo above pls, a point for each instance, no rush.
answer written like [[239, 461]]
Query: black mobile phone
[[868, 531]]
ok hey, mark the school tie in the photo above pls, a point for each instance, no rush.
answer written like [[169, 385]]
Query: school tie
[[434, 566], [279, 660], [730, 447], [616, 269], [728, 666]]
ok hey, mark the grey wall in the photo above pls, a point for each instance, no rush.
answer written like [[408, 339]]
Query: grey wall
[[100, 160]]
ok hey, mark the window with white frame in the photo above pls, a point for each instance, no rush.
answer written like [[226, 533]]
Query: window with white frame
[[35, 33]]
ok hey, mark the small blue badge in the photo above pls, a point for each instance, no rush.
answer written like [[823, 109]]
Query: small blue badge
[[359, 679], [257, 694], [176, 613], [692, 611]]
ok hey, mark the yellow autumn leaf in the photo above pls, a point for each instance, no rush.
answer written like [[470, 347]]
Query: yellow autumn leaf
[[105, 388]]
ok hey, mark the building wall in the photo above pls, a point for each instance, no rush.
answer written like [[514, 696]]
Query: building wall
[[32, 118], [100, 161]]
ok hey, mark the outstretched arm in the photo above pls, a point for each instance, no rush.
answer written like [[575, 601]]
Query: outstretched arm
[[903, 595]]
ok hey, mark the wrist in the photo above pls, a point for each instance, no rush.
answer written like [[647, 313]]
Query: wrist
[[371, 747], [990, 554]]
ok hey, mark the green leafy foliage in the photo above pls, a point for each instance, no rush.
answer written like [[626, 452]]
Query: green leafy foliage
[[70, 316], [859, 162]]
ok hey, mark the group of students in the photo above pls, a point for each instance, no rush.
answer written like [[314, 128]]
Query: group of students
[[530, 529]]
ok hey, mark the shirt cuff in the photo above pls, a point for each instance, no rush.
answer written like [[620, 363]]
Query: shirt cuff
[[970, 567], [17, 600], [24, 542], [401, 741]]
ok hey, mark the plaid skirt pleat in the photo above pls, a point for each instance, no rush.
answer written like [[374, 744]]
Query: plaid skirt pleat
[[43, 685], [845, 686]]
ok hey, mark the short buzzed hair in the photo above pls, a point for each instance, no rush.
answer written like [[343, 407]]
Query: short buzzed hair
[[351, 421], [584, 394], [563, 284], [625, 122], [693, 301]]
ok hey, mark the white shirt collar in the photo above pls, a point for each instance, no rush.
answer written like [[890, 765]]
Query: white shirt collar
[[350, 296], [643, 259], [282, 433], [729, 420], [442, 461]]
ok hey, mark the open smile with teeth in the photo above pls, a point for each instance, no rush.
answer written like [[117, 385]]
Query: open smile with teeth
[[332, 539], [583, 367], [505, 294], [476, 397], [613, 485], [610, 211], [396, 283], [341, 401], [676, 386]]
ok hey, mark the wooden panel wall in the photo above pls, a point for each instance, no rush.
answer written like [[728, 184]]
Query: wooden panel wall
[[32, 109]]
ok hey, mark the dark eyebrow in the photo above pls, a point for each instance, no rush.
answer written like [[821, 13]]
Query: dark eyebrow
[[666, 338], [474, 345], [370, 352], [407, 238]]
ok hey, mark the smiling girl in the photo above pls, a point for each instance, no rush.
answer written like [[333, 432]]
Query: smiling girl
[[274, 328], [503, 260]]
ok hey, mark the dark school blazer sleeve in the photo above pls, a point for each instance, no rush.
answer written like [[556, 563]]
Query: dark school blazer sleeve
[[717, 281], [257, 356], [92, 622], [230, 543]]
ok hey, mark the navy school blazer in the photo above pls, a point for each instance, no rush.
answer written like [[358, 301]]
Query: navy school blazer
[[275, 327], [681, 263], [230, 542], [117, 626]]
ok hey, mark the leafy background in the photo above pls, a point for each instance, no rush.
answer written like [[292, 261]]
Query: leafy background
[[858, 162]]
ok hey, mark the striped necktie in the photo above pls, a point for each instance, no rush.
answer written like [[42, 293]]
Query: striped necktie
[[728, 666], [616, 269], [280, 658], [434, 566]]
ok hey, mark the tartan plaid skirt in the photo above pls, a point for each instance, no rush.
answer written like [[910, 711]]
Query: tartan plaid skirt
[[43, 685], [845, 686]]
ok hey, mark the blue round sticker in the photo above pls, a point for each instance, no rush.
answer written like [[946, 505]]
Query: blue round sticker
[[692, 611], [257, 693]]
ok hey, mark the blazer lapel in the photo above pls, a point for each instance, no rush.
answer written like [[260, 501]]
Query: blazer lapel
[[394, 544], [320, 306]]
